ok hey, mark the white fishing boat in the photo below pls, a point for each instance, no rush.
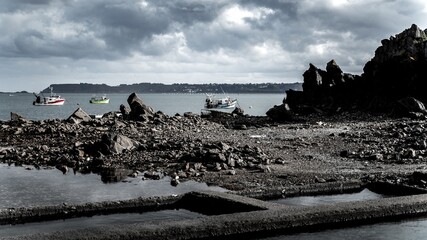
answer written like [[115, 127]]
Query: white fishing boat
[[52, 100], [212, 103]]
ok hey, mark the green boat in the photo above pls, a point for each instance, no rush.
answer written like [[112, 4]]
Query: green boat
[[100, 100]]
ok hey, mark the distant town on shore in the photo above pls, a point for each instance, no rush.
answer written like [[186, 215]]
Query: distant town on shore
[[175, 88]]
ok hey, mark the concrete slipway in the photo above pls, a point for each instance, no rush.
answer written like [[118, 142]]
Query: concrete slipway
[[229, 215]]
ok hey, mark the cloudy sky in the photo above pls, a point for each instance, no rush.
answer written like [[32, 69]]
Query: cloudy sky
[[188, 41]]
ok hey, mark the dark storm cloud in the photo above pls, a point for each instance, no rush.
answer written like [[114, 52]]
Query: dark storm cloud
[[266, 38], [23, 5]]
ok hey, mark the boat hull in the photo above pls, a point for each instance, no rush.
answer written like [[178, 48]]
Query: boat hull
[[105, 101], [55, 103]]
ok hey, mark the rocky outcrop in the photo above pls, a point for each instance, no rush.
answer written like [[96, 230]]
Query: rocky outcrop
[[138, 111], [398, 70], [399, 67]]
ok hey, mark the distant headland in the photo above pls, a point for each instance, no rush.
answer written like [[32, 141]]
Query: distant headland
[[175, 88]]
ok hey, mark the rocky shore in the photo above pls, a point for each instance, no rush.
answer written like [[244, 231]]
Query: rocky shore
[[259, 157], [341, 127]]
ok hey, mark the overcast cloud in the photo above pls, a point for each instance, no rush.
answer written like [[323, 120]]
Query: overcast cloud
[[188, 41]]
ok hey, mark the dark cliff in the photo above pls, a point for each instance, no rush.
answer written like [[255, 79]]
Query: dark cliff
[[396, 73]]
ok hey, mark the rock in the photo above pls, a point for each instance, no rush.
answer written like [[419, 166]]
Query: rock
[[112, 174], [312, 79], [152, 175], [410, 105], [281, 113], [111, 144], [419, 176], [125, 111], [238, 111], [319, 180], [79, 116], [138, 110], [398, 70], [175, 182], [335, 72], [62, 168], [189, 114], [376, 157], [14, 117]]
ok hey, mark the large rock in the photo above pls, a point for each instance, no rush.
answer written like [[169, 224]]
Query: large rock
[[79, 116], [410, 106], [280, 113], [398, 70], [116, 143], [14, 117], [138, 110], [125, 111], [399, 67]]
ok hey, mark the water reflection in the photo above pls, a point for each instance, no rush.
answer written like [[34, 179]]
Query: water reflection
[[26, 188], [365, 194]]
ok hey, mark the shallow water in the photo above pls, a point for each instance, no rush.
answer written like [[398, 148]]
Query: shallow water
[[365, 194], [25, 188]]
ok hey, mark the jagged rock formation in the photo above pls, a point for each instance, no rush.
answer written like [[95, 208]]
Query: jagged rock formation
[[138, 111], [398, 70], [399, 67]]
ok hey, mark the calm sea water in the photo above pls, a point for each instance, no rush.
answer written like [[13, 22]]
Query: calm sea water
[[252, 104]]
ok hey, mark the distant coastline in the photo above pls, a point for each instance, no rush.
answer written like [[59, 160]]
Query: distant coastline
[[175, 88]]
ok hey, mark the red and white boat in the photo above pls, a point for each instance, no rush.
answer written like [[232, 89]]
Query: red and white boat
[[52, 100]]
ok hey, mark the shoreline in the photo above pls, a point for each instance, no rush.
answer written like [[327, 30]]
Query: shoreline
[[263, 160]]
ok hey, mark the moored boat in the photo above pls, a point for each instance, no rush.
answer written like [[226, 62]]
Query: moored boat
[[100, 100], [52, 100], [219, 103]]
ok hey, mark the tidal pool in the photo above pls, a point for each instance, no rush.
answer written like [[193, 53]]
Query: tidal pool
[[28, 188], [365, 194]]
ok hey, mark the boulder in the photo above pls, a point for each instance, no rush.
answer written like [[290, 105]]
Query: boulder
[[110, 174], [14, 117], [280, 113], [125, 111], [111, 144], [138, 110], [410, 105], [79, 116], [238, 111], [118, 143]]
